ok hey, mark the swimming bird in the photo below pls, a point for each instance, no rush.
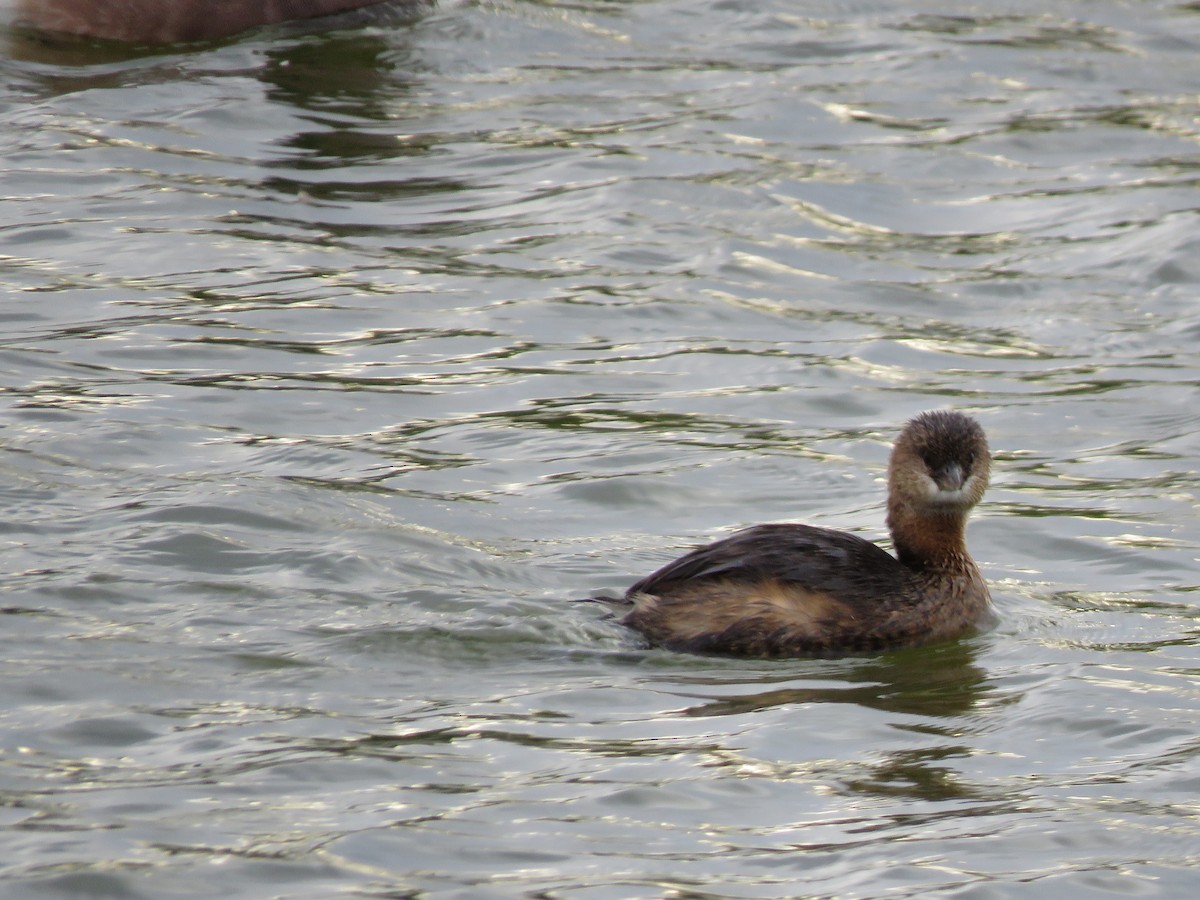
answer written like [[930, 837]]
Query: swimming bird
[[784, 590]]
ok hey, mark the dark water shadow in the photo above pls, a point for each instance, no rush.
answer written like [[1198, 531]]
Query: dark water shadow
[[42, 66], [942, 681]]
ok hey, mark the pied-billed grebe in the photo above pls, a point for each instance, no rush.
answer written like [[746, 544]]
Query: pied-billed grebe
[[795, 590]]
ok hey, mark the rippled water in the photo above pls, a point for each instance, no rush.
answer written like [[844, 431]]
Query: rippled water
[[334, 364]]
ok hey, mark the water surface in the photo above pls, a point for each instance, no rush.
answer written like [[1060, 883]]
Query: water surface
[[335, 362]]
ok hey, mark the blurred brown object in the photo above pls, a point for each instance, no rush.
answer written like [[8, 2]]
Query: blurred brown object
[[168, 21]]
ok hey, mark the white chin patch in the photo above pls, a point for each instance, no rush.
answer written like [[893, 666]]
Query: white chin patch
[[937, 497]]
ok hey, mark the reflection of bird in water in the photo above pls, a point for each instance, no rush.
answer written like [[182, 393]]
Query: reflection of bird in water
[[795, 590], [941, 681], [167, 21]]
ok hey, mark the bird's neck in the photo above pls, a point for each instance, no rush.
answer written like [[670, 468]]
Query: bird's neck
[[929, 541]]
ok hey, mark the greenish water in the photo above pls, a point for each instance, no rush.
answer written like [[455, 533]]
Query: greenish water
[[334, 364]]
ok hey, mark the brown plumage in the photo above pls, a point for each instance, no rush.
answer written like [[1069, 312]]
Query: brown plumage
[[795, 590]]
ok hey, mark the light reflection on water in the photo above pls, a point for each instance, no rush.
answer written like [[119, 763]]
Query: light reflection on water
[[335, 364]]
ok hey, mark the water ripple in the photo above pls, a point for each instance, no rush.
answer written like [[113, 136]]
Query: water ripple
[[336, 362]]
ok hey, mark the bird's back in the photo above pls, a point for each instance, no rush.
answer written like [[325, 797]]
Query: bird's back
[[773, 590]]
